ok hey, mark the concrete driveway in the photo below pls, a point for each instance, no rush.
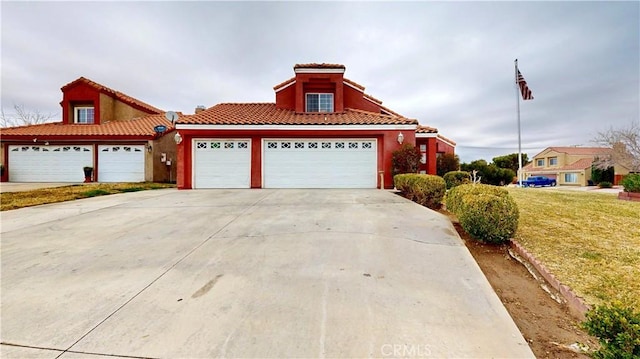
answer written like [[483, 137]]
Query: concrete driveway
[[245, 273]]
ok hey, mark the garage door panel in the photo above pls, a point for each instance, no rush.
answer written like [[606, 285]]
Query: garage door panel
[[49, 163], [121, 163], [322, 163], [220, 163]]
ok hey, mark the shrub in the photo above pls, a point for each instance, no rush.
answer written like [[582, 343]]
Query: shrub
[[605, 184], [488, 217], [405, 160], [455, 195], [427, 190], [618, 330], [631, 182], [456, 178]]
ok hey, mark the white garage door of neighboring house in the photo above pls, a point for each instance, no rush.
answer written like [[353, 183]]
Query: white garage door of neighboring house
[[320, 163], [121, 163], [220, 163], [49, 163]]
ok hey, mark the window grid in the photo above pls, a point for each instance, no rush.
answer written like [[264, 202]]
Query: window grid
[[339, 144], [84, 115], [319, 102], [366, 145]]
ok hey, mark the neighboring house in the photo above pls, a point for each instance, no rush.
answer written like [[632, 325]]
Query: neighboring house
[[323, 131], [569, 165], [101, 128]]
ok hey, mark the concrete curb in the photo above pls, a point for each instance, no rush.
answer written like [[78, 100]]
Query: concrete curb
[[574, 302]]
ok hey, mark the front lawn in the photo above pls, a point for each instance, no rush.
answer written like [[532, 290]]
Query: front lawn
[[589, 241], [14, 200]]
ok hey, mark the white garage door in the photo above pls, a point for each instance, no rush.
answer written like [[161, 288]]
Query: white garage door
[[320, 163], [121, 163], [220, 163], [49, 163]]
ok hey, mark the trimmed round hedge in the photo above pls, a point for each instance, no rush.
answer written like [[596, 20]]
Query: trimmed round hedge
[[427, 190], [487, 213]]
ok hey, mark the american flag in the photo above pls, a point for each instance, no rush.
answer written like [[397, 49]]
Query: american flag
[[524, 89]]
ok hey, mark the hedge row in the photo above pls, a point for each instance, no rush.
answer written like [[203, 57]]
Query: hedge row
[[427, 190], [487, 213]]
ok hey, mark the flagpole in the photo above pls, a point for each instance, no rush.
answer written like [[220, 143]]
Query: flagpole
[[519, 137]]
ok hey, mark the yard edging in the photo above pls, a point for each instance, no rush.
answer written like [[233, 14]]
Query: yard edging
[[575, 303]]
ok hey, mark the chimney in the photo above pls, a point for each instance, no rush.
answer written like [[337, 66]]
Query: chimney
[[200, 108]]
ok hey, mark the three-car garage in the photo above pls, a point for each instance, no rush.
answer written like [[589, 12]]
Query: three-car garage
[[286, 163]]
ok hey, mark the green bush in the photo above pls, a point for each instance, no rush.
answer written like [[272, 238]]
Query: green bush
[[455, 195], [487, 213], [618, 330], [456, 178], [631, 182], [605, 184], [427, 190], [488, 217]]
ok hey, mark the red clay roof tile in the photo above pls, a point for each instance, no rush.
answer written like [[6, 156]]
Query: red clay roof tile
[[284, 83], [268, 114], [137, 128], [581, 150], [353, 83], [319, 66], [115, 94], [426, 129]]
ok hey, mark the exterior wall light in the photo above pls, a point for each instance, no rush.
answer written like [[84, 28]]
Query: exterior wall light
[[177, 138], [149, 148], [400, 138]]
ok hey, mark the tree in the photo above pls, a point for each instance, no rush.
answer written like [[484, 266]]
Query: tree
[[625, 144], [405, 160], [490, 173], [510, 161], [446, 163], [601, 174], [23, 117]]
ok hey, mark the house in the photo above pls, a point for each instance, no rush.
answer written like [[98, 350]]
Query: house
[[428, 140], [569, 165], [101, 128], [322, 131]]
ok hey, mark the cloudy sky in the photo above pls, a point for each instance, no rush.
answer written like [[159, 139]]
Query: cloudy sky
[[448, 64]]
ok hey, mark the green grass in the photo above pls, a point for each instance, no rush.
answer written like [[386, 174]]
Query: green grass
[[15, 200], [589, 241]]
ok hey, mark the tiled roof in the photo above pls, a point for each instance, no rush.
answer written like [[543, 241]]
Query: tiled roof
[[282, 84], [587, 151], [580, 164], [319, 66], [138, 128], [268, 114], [426, 129], [353, 83], [115, 94], [447, 139]]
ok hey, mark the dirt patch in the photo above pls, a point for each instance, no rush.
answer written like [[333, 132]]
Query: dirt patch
[[548, 326]]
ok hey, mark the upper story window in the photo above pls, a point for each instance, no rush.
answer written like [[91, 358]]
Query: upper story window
[[553, 161], [319, 102], [540, 162], [83, 114]]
